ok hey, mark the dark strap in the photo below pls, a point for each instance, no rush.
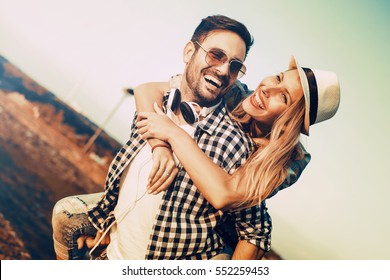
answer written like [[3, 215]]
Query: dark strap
[[313, 94]]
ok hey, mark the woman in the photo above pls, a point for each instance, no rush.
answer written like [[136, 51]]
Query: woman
[[276, 113]]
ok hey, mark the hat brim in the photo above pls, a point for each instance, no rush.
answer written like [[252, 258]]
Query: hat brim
[[306, 92]]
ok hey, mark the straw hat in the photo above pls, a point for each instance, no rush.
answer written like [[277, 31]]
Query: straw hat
[[322, 94]]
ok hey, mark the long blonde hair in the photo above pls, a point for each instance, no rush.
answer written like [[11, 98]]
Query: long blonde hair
[[266, 168]]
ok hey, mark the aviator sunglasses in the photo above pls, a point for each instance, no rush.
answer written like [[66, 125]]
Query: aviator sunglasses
[[216, 57]]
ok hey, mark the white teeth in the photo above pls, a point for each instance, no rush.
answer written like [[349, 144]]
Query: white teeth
[[217, 82], [258, 100]]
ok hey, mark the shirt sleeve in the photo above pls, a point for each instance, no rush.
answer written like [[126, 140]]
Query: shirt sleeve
[[254, 225]]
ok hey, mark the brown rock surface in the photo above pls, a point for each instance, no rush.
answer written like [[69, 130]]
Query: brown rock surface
[[11, 246], [38, 166]]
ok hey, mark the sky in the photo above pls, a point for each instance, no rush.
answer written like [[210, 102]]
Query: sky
[[87, 51]]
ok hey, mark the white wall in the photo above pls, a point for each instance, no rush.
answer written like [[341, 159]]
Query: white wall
[[86, 51]]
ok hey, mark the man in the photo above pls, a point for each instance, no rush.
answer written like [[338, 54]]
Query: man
[[180, 223]]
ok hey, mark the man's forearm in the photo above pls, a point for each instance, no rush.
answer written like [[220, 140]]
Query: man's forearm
[[247, 251]]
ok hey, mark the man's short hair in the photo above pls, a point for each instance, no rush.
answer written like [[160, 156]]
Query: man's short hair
[[219, 22]]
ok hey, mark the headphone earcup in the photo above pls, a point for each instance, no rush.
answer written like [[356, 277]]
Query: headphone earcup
[[189, 113], [187, 109], [176, 100]]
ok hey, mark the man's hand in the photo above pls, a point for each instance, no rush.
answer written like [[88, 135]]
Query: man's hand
[[91, 241]]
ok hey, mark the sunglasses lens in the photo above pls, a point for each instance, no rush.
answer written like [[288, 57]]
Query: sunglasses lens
[[215, 57], [237, 68]]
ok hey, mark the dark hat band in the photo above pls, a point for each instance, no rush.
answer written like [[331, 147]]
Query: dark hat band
[[313, 94]]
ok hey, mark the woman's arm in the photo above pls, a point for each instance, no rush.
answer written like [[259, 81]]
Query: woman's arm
[[213, 182], [164, 169], [148, 93], [145, 95]]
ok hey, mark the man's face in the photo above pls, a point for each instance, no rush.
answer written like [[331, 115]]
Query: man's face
[[208, 83]]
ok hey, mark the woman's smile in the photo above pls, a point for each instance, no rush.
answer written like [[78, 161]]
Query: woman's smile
[[256, 101]]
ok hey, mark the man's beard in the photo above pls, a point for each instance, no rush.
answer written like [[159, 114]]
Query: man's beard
[[203, 100]]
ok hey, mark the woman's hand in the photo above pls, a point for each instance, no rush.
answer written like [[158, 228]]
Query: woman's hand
[[156, 125], [164, 170]]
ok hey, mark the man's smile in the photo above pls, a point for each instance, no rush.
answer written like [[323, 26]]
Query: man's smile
[[213, 81]]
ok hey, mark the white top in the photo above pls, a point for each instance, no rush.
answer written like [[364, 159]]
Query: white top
[[130, 235], [136, 210]]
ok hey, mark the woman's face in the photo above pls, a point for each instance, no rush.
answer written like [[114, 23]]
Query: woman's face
[[274, 95]]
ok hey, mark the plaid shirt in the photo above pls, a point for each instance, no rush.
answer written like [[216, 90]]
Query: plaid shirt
[[186, 224]]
